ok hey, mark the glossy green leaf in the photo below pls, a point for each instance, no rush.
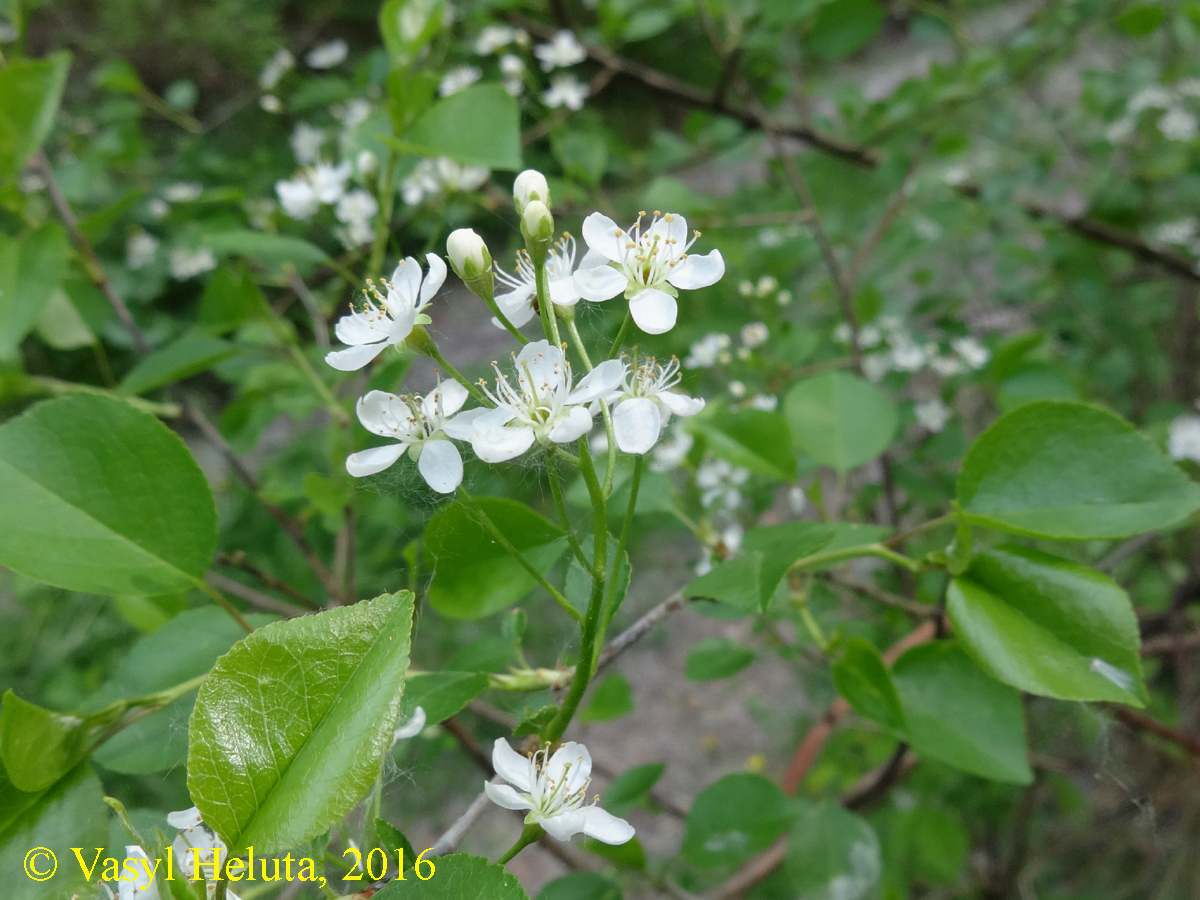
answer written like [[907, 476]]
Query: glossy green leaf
[[959, 715], [737, 583], [861, 676], [231, 298], [753, 439], [456, 877], [479, 126], [184, 648], [1067, 470], [845, 26], [714, 658], [1048, 626], [389, 838], [733, 819], [611, 699], [580, 886], [70, 814], [441, 694], [30, 90], [269, 249], [832, 854], [632, 786], [188, 356], [475, 576], [38, 746], [839, 419], [97, 496], [291, 727], [31, 270]]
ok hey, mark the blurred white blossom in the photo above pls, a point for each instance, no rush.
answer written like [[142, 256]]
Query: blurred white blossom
[[329, 181], [495, 37], [876, 365], [297, 197], [705, 353], [327, 55], [973, 353], [765, 402], [754, 335], [1183, 441], [276, 68], [908, 356], [182, 192], [566, 90], [433, 176], [140, 250], [720, 483], [1181, 231], [270, 103], [932, 414], [306, 141], [670, 453], [1178, 125], [564, 50], [187, 263], [457, 79]]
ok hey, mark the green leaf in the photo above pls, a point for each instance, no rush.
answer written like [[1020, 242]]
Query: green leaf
[[753, 439], [97, 496], [959, 715], [231, 298], [30, 90], [1059, 469], [839, 419], [188, 356], [832, 854], [182, 649], [1048, 626], [475, 576], [31, 270], [1141, 19], [268, 249], [390, 839], [61, 326], [844, 26], [479, 126], [70, 814], [736, 583], [733, 819], [441, 694], [39, 746], [863, 679], [580, 886], [290, 728], [456, 877], [716, 657], [611, 699], [632, 786], [929, 845]]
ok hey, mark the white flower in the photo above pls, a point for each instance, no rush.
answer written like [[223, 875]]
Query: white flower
[[517, 302], [195, 839], [765, 402], [432, 176], [388, 320], [270, 103], [182, 192], [1155, 96], [783, 298], [354, 113], [366, 163], [766, 285], [140, 250], [1120, 130], [754, 335], [1181, 231], [297, 197], [186, 263], [544, 405], [356, 206], [528, 186], [907, 356], [869, 336], [1178, 125], [730, 539], [645, 404], [650, 265], [737, 389], [421, 425], [719, 480], [932, 414], [356, 233], [746, 288], [157, 208], [843, 333], [493, 38], [327, 55], [554, 790], [797, 499], [946, 366], [561, 52], [973, 353], [876, 365], [457, 79], [143, 887], [276, 68], [566, 90], [410, 727], [671, 453], [31, 183], [329, 182], [8, 32], [956, 175], [512, 66], [1183, 441], [706, 352]]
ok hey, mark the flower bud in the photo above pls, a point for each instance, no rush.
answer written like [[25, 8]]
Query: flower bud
[[530, 185], [468, 254], [537, 222]]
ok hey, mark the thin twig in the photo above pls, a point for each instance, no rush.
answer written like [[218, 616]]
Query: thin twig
[[319, 326], [1142, 722], [237, 560], [453, 835], [253, 597]]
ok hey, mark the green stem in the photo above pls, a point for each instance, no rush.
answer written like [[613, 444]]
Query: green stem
[[331, 402], [559, 502], [573, 331], [225, 605], [921, 529], [528, 835], [877, 550], [611, 604], [423, 343], [616, 344], [545, 305], [387, 196], [611, 465], [511, 550]]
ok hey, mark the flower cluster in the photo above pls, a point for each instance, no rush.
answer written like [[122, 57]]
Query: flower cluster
[[1174, 120], [560, 53], [541, 399]]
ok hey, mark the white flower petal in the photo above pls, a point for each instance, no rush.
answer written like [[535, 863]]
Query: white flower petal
[[406, 284], [379, 410], [501, 444], [670, 227], [575, 424], [517, 305], [604, 236], [511, 766], [454, 395], [563, 292], [434, 278], [354, 358], [503, 795], [592, 260], [653, 311], [571, 762], [600, 383], [441, 466], [462, 426], [681, 404], [605, 827], [698, 271], [368, 462], [184, 818], [565, 825], [600, 283], [637, 423], [354, 329]]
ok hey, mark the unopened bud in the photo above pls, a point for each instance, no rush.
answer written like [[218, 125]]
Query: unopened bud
[[537, 222], [468, 254], [530, 185], [366, 163]]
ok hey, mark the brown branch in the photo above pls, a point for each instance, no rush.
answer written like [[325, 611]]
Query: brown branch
[[253, 597], [237, 560], [1170, 643], [1142, 722]]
